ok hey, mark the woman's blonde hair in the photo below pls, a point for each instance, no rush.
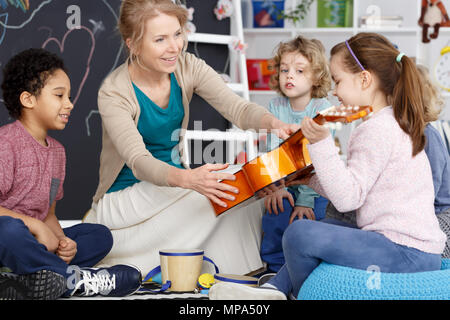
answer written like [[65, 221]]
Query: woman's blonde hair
[[432, 100], [314, 51], [134, 14], [399, 81]]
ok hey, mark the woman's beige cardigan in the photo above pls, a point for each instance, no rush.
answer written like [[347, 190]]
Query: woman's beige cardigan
[[119, 109]]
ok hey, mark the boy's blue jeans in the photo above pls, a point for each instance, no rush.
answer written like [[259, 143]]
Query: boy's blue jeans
[[307, 243], [23, 254], [273, 227]]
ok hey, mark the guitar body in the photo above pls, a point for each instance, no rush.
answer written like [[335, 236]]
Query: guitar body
[[245, 193], [289, 161]]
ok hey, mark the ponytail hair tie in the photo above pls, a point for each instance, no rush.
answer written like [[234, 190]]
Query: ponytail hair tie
[[399, 57]]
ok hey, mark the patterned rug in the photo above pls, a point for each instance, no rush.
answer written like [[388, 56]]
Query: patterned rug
[[146, 294]]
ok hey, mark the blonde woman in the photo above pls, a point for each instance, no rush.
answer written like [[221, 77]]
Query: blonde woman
[[145, 196]]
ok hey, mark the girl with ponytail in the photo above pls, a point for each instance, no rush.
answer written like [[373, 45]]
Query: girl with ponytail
[[387, 178]]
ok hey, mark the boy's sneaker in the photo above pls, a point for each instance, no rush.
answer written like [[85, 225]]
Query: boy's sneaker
[[42, 285], [235, 291], [116, 281]]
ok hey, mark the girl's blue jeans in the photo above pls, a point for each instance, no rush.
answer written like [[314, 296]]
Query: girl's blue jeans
[[23, 254], [306, 243]]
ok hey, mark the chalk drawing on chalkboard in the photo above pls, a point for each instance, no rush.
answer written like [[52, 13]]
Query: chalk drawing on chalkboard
[[121, 45], [24, 5], [97, 26], [23, 24], [87, 121], [88, 63], [3, 31]]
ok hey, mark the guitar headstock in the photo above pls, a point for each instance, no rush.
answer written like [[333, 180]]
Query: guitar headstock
[[345, 114]]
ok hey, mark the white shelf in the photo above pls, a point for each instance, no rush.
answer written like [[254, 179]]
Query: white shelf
[[262, 92], [296, 30], [389, 29], [209, 38], [256, 31], [267, 30], [323, 30]]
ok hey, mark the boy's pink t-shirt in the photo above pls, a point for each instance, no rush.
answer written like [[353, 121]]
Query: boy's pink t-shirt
[[31, 175]]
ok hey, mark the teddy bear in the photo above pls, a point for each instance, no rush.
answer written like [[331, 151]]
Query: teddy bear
[[433, 14]]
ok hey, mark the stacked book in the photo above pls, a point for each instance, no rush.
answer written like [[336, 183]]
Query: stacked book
[[375, 21]]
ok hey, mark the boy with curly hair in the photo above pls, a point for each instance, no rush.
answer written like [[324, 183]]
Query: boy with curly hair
[[302, 79], [46, 261]]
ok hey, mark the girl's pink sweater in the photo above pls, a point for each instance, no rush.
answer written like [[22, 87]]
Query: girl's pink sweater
[[391, 191]]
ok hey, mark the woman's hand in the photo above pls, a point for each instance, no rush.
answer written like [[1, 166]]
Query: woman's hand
[[206, 181], [313, 131], [274, 201]]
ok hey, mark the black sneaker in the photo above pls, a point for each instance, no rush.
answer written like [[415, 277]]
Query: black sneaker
[[116, 281], [42, 285]]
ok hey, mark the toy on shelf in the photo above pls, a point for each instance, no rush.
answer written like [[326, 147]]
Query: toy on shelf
[[434, 15], [334, 13], [266, 12], [442, 68], [258, 74], [223, 9]]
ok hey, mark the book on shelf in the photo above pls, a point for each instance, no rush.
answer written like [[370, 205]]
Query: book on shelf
[[380, 21]]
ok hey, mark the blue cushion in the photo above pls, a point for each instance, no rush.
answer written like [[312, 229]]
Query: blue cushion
[[333, 282]]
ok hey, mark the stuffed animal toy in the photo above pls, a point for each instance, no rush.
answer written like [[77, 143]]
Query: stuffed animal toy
[[433, 14]]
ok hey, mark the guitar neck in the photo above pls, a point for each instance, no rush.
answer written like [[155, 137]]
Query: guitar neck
[[344, 114]]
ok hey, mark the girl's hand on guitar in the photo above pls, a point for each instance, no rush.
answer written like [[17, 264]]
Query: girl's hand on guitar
[[313, 131], [275, 200], [300, 212], [206, 181]]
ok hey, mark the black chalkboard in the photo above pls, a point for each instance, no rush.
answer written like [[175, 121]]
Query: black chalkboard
[[90, 51]]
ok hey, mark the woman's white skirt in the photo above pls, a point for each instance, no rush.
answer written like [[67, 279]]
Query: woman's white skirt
[[146, 218]]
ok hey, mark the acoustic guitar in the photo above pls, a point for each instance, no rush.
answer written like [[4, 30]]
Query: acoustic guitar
[[288, 162]]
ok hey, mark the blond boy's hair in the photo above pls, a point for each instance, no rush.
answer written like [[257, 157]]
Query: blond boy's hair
[[432, 99], [314, 51]]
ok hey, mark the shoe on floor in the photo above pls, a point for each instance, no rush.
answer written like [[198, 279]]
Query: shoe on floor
[[116, 281], [42, 285], [235, 291]]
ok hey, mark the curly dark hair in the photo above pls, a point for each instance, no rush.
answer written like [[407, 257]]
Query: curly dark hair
[[27, 71]]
